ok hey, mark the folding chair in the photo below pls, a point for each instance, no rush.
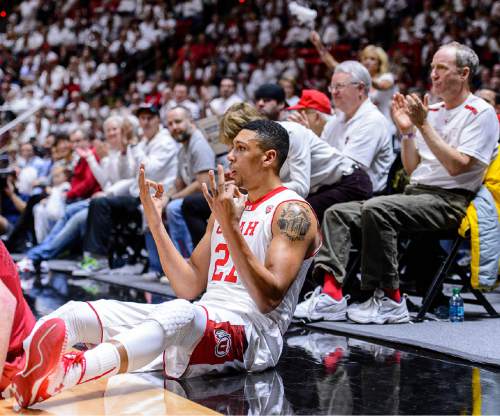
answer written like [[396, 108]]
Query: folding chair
[[441, 277]]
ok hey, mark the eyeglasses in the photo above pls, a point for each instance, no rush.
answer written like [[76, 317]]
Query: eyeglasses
[[341, 85]]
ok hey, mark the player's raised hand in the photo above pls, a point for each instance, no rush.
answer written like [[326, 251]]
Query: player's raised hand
[[153, 204], [220, 198]]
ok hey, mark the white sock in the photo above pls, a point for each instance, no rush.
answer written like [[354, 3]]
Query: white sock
[[102, 361]]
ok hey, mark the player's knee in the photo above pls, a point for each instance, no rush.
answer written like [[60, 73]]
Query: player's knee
[[173, 315]]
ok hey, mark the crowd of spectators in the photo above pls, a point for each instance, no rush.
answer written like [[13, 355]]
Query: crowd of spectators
[[82, 63], [78, 66], [94, 92]]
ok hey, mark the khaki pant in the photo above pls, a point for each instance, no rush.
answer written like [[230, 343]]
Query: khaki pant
[[377, 223]]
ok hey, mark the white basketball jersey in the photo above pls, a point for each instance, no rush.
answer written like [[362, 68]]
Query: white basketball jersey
[[226, 290]]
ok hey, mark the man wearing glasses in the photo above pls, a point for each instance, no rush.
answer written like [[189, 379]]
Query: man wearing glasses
[[358, 128], [361, 133]]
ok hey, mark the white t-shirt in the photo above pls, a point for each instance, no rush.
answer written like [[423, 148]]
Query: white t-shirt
[[311, 162], [365, 138], [471, 128], [159, 156], [219, 105]]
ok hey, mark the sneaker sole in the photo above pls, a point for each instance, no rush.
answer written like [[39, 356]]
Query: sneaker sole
[[339, 316], [44, 352], [380, 321], [299, 316]]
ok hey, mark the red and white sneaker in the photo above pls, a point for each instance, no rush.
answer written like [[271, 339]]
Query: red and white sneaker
[[43, 353]]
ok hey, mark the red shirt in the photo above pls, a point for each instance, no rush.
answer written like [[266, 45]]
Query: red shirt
[[83, 183], [24, 321]]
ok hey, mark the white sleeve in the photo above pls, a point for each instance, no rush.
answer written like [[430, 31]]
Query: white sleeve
[[386, 77], [56, 202], [162, 158], [479, 137], [120, 188], [299, 160], [99, 170]]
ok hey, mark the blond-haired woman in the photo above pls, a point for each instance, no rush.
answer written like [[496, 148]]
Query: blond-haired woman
[[383, 88]]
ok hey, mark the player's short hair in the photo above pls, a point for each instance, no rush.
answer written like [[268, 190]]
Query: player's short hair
[[271, 136], [234, 119]]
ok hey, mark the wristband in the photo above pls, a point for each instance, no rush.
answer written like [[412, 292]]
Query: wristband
[[408, 136]]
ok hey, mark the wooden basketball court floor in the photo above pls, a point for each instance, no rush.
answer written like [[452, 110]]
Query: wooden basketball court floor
[[318, 373], [132, 394]]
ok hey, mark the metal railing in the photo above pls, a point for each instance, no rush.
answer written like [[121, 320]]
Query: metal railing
[[20, 118]]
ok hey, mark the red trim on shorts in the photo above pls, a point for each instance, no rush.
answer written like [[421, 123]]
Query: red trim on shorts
[[98, 319], [222, 342], [164, 366], [250, 206]]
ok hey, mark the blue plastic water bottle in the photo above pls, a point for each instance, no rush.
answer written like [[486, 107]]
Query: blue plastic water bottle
[[456, 307]]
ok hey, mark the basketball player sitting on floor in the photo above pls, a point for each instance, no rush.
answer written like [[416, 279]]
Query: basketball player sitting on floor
[[250, 265]]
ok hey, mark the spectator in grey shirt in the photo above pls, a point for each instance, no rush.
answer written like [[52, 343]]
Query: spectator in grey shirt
[[195, 159]]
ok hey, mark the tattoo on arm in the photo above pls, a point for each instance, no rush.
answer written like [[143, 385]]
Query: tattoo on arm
[[294, 221]]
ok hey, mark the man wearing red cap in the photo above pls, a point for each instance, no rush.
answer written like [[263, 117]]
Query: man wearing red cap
[[351, 182], [313, 110]]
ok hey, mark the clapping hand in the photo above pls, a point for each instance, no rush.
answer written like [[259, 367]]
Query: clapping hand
[[417, 110], [400, 116], [408, 111], [299, 117], [83, 153], [315, 39]]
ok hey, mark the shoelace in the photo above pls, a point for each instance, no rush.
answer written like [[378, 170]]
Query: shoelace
[[312, 292], [70, 360], [377, 301], [313, 299]]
